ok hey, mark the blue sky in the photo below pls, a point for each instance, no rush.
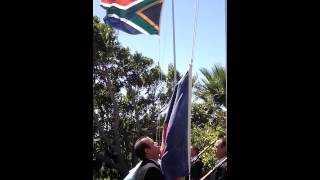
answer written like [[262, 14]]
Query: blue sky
[[210, 46]]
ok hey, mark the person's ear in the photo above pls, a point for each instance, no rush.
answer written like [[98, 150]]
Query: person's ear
[[147, 150]]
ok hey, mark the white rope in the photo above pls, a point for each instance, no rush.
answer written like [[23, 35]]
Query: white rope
[[195, 28], [160, 78]]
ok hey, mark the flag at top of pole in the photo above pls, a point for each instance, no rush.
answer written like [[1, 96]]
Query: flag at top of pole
[[133, 16]]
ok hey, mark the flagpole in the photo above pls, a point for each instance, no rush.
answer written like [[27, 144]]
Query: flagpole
[[225, 26], [195, 23], [190, 85], [189, 116], [174, 45]]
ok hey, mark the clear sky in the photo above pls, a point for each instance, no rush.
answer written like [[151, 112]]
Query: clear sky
[[210, 46]]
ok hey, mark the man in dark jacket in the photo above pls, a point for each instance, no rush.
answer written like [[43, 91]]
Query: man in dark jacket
[[196, 164], [148, 151], [220, 150]]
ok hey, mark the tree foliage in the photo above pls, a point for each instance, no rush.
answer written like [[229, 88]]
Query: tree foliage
[[129, 91], [203, 137]]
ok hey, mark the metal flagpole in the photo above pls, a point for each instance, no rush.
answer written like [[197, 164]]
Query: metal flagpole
[[225, 26], [190, 83], [189, 117], [174, 46]]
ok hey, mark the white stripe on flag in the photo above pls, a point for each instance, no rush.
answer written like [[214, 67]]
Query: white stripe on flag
[[120, 6], [129, 22]]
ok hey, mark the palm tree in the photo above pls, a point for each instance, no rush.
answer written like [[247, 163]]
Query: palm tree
[[213, 86], [212, 91]]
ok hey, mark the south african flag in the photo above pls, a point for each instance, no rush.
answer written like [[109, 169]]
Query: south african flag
[[133, 16]]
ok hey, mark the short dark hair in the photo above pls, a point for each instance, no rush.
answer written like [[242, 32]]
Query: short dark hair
[[139, 147], [196, 149]]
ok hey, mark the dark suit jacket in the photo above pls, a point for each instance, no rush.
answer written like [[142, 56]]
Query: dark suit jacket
[[196, 170], [220, 173], [149, 170]]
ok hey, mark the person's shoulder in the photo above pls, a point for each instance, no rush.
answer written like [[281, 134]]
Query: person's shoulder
[[147, 164], [224, 166], [149, 170], [150, 162], [153, 173], [198, 162]]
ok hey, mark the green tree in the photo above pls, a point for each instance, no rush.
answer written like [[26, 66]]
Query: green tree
[[200, 115], [211, 91], [203, 137], [213, 86], [106, 95], [126, 94], [208, 116], [170, 81]]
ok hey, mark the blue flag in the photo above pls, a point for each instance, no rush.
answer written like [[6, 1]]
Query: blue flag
[[176, 132]]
